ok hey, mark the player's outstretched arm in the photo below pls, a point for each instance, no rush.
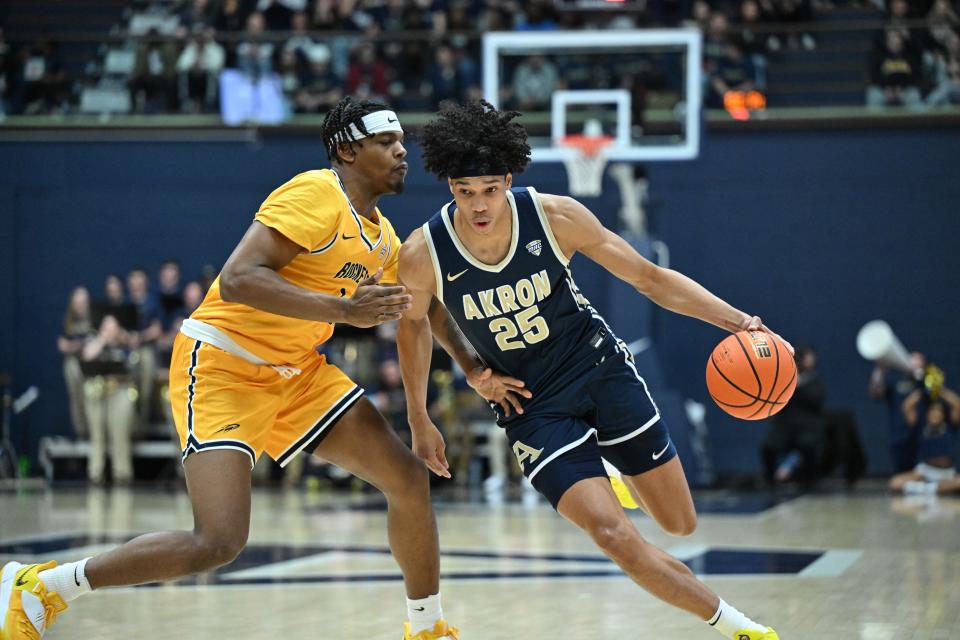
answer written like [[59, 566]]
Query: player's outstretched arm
[[250, 277], [578, 230]]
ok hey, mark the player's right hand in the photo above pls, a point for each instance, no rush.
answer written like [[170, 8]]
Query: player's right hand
[[373, 303]]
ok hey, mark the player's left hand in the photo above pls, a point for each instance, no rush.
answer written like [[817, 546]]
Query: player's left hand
[[496, 387], [754, 323], [428, 445]]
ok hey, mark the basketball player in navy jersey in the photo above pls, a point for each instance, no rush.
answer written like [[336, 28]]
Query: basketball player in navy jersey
[[564, 387]]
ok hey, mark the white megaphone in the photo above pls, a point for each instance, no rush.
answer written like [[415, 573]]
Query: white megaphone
[[877, 342]]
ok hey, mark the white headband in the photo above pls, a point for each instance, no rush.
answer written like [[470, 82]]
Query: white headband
[[377, 122]]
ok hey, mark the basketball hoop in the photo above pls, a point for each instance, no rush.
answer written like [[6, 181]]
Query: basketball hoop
[[585, 167]]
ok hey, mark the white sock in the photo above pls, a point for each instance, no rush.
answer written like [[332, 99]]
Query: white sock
[[67, 580], [424, 613], [920, 487], [728, 621]]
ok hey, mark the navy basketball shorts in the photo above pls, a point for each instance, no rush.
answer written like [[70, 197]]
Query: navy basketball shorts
[[606, 413]]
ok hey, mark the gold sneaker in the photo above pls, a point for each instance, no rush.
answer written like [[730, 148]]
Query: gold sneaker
[[27, 609], [441, 631]]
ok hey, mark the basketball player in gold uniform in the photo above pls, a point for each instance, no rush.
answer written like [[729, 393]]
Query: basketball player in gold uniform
[[246, 378]]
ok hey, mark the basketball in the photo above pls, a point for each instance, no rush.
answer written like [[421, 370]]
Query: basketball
[[751, 375]]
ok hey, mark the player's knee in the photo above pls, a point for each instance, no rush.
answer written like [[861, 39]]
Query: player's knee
[[613, 536], [216, 551], [681, 525], [410, 482]]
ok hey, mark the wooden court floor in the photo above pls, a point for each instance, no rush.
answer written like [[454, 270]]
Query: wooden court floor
[[858, 566]]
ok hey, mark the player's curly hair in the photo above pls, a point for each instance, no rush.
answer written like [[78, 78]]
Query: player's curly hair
[[336, 124], [474, 137]]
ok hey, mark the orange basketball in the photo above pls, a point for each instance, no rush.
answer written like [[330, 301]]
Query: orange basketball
[[751, 375]]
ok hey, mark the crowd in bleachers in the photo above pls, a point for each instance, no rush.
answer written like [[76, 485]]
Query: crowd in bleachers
[[169, 54]]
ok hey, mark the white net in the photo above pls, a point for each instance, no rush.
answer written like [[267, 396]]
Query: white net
[[586, 165]]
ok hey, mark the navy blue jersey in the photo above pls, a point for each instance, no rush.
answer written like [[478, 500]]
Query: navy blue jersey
[[524, 316]]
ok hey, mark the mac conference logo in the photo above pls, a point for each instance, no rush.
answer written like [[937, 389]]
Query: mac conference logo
[[535, 247]]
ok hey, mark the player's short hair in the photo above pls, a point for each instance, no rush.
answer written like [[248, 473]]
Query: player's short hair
[[474, 139], [336, 124]]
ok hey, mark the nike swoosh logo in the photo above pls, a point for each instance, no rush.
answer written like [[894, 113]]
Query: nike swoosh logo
[[394, 120], [451, 278], [20, 581], [419, 608], [346, 237], [656, 456], [75, 578]]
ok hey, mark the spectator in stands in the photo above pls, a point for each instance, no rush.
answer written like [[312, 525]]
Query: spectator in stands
[[77, 329], [536, 16], [197, 15], [330, 15], [796, 13], [390, 399], [255, 54], [700, 15], [445, 76], [733, 72], [199, 66], [292, 69], [367, 76], [793, 448], [946, 73], [893, 388], [899, 20], [278, 14], [299, 39], [320, 88], [534, 82], [109, 402], [143, 341], [231, 16], [169, 292], [43, 81], [6, 77], [942, 22], [114, 304], [192, 297], [936, 420], [895, 75], [153, 83], [753, 41]]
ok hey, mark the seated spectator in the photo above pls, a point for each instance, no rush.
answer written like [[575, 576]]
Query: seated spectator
[[367, 75], [199, 66], [753, 41], [320, 88], [895, 75], [291, 68], [734, 72], [444, 77], [278, 14], [942, 22], [197, 15], [330, 15], [536, 16], [44, 82], [231, 16], [534, 82], [946, 73], [254, 54], [109, 402], [793, 448], [937, 419], [77, 329], [715, 41], [153, 83], [6, 77], [143, 341], [299, 40]]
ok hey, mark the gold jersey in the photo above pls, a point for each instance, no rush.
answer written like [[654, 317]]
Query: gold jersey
[[340, 249]]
